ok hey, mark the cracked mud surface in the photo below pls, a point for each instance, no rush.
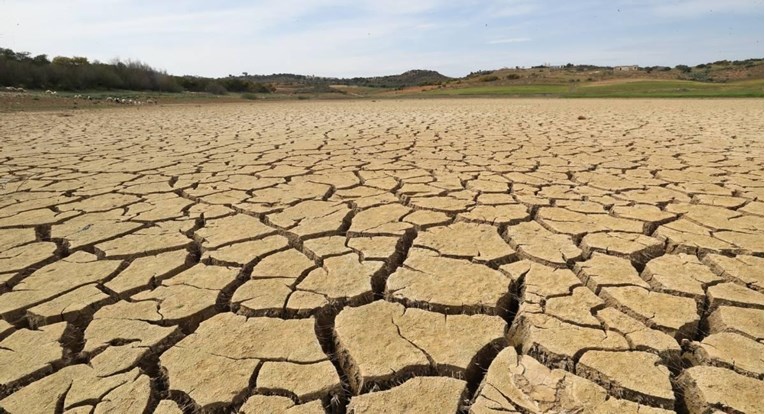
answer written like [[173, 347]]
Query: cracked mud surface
[[461, 256]]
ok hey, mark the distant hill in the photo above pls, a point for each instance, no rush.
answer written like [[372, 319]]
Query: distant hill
[[722, 78], [290, 78], [720, 71], [416, 77]]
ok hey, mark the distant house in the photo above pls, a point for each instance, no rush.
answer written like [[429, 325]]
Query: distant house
[[626, 67]]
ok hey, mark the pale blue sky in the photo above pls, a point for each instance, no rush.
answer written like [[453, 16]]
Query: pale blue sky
[[377, 37]]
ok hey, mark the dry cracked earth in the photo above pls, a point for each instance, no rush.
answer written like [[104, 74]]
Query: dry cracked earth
[[445, 256]]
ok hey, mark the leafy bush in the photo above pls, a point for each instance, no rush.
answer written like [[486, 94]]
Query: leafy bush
[[235, 84], [261, 88], [478, 73], [490, 78], [513, 76], [699, 77], [216, 89]]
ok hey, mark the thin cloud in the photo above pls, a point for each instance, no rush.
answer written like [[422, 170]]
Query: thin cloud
[[509, 40], [369, 37], [684, 9]]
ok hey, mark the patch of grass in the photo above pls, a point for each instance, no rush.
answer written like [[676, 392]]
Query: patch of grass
[[671, 89], [249, 96], [504, 90], [632, 89]]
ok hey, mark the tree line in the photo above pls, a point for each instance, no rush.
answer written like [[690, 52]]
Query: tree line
[[77, 73], [417, 77]]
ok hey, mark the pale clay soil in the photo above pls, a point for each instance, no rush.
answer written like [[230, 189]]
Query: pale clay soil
[[481, 256]]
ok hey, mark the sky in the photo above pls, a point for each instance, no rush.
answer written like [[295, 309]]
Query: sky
[[348, 38]]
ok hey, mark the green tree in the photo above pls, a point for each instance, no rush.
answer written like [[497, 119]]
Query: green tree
[[79, 60], [62, 60], [40, 60]]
